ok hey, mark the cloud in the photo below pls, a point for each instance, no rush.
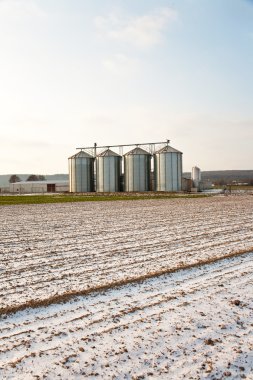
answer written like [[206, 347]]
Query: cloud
[[143, 31], [20, 9], [120, 64]]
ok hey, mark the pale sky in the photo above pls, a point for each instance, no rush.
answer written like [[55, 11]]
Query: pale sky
[[75, 72]]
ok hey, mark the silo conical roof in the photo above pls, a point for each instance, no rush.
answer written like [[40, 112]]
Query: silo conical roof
[[81, 154], [108, 153], [167, 149], [137, 151]]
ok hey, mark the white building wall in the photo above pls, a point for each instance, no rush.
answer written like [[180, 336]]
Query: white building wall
[[37, 187]]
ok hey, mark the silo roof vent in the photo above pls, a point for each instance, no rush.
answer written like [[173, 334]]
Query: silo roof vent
[[137, 151], [168, 149], [81, 154], [108, 153]]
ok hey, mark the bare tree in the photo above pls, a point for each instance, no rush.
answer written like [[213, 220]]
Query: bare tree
[[14, 178], [35, 177]]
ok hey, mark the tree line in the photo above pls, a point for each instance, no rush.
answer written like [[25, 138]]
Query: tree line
[[32, 177]]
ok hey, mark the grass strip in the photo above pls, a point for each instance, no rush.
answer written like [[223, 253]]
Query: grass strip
[[7, 200]]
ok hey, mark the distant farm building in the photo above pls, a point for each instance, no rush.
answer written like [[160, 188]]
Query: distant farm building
[[41, 187]]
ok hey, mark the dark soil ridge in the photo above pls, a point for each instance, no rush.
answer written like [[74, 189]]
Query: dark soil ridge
[[65, 297]]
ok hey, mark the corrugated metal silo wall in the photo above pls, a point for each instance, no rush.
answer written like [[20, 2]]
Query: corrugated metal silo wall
[[168, 171], [81, 174], [137, 172], [108, 173]]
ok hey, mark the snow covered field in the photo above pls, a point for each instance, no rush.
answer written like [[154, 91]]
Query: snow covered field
[[194, 323], [53, 249]]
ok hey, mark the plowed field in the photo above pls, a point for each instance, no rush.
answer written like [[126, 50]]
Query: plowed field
[[192, 324], [48, 251]]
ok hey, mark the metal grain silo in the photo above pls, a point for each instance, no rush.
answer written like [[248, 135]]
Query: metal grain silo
[[108, 171], [196, 176], [168, 169], [81, 173], [137, 167]]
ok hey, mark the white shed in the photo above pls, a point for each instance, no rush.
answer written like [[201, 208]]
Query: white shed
[[32, 187]]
